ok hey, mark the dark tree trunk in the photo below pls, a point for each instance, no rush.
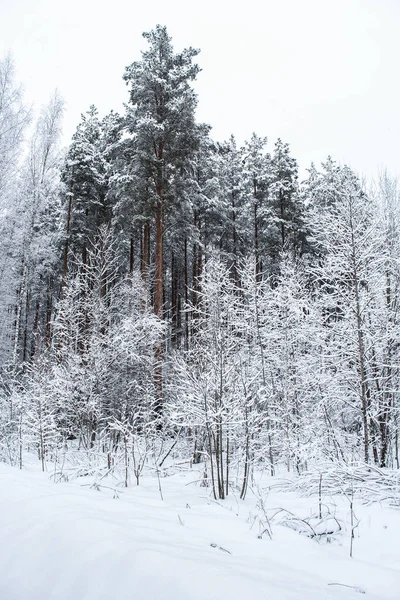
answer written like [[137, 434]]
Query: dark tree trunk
[[131, 257], [35, 329], [25, 340], [282, 211], [145, 252], [66, 245], [234, 239], [158, 301], [186, 295], [174, 301]]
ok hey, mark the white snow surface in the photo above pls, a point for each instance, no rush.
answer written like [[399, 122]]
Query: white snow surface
[[67, 541]]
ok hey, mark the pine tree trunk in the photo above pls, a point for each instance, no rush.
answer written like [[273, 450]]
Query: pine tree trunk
[[34, 330], [158, 301], [174, 302], [66, 246], [145, 253], [256, 240], [282, 211], [158, 279], [234, 239], [131, 256], [186, 283]]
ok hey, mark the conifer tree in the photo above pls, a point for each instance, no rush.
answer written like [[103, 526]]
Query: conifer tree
[[86, 178], [257, 176], [284, 203], [162, 119]]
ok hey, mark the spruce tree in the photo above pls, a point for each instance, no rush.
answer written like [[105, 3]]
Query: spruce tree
[[86, 177]]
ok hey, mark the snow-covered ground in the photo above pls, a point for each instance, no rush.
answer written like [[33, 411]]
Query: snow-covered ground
[[68, 541]]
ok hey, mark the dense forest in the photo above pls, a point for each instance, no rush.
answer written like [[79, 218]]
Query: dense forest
[[159, 287]]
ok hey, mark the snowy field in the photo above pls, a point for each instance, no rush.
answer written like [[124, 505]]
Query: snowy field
[[71, 541]]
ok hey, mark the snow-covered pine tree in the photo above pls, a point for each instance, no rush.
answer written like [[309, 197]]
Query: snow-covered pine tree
[[257, 177], [285, 206], [162, 119]]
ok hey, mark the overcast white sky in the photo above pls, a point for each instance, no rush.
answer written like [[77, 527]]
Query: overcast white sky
[[321, 74]]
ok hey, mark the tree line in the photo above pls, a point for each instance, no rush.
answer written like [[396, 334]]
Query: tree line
[[157, 283]]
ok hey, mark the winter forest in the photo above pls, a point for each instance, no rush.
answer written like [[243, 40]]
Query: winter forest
[[169, 301], [158, 285]]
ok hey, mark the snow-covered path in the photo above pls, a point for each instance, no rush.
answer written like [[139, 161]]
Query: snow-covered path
[[68, 542]]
